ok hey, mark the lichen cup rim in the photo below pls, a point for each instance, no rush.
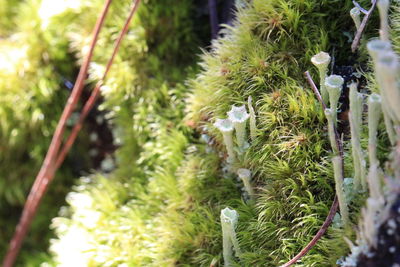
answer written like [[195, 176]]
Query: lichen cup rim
[[376, 46], [243, 173], [334, 81], [322, 58], [224, 125], [355, 11], [238, 114], [229, 215]]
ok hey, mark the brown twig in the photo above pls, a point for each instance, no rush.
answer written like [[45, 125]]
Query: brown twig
[[43, 176], [356, 4], [335, 204], [95, 93], [317, 236], [315, 89], [318, 95], [360, 30]]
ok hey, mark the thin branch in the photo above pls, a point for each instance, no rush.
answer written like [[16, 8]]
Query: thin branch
[[360, 7], [50, 165], [318, 235], [315, 89], [95, 93], [360, 30], [335, 204], [34, 195]]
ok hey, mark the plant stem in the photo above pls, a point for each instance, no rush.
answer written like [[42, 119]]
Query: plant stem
[[360, 30], [335, 204]]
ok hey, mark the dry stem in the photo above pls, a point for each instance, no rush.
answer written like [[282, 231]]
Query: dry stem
[[360, 30], [335, 204]]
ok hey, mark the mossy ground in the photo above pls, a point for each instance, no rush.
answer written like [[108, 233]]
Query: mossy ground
[[175, 186], [161, 205]]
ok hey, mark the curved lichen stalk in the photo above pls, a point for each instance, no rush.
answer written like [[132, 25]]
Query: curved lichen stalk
[[375, 48], [245, 176]]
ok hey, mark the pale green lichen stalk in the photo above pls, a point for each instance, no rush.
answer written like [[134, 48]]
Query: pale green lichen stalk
[[253, 127], [337, 168], [383, 7], [387, 72], [229, 220], [355, 15], [355, 118], [245, 176], [226, 128], [333, 85], [239, 117], [331, 131], [374, 114], [321, 61], [375, 48]]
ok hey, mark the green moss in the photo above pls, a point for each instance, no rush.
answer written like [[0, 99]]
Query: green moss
[[161, 206], [264, 56]]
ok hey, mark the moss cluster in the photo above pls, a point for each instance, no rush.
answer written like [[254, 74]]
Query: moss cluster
[[159, 202], [161, 205]]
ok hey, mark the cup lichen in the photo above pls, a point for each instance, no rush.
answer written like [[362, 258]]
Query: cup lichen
[[229, 219], [226, 128], [239, 116], [321, 61], [253, 126], [333, 84], [245, 176], [355, 15], [355, 119]]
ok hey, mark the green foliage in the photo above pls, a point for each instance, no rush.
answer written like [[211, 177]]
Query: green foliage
[[32, 98], [8, 9], [161, 206], [264, 56], [145, 107]]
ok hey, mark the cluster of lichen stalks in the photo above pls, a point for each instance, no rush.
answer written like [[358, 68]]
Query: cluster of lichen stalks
[[378, 242], [380, 217], [237, 120]]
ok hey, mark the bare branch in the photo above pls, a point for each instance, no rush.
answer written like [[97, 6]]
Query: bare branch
[[315, 89], [318, 235], [360, 30], [335, 204], [360, 7]]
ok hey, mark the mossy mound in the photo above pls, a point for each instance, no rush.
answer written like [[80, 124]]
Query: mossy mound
[[264, 56], [161, 205]]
